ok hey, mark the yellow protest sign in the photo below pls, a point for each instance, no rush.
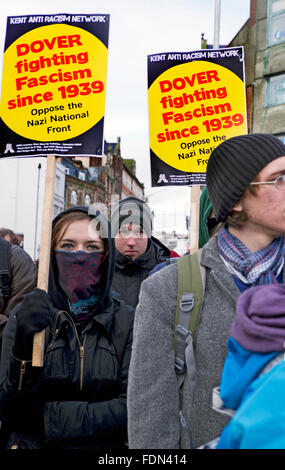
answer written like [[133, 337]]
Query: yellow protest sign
[[54, 87], [193, 106]]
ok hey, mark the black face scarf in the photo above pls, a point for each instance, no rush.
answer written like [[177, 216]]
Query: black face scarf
[[79, 275]]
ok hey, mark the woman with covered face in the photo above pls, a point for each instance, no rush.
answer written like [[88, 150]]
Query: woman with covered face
[[78, 398]]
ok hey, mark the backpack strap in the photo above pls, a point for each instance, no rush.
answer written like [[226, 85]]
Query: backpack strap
[[190, 294], [5, 269]]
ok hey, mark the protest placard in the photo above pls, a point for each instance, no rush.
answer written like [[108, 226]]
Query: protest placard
[[196, 100], [54, 85], [53, 102]]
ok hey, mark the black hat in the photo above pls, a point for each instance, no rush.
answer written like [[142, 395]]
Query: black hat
[[131, 210], [234, 164]]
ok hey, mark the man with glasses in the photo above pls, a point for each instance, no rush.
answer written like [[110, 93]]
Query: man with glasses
[[246, 184]]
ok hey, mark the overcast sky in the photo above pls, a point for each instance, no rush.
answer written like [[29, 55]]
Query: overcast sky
[[139, 28]]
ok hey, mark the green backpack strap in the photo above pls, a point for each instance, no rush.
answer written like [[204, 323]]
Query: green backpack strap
[[190, 291], [190, 294]]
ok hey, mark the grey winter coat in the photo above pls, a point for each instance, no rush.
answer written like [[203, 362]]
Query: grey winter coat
[[153, 401]]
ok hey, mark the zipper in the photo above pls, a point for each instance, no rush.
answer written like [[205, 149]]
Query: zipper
[[56, 319], [22, 373], [81, 349], [81, 352], [82, 361]]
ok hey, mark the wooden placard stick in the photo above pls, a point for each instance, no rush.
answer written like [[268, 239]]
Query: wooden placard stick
[[44, 260], [194, 220]]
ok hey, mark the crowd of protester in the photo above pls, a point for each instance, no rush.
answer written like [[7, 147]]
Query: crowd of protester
[[108, 379]]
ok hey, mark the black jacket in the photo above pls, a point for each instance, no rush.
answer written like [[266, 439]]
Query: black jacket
[[78, 399], [23, 278], [130, 274]]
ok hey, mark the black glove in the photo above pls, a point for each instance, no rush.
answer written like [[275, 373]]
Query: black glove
[[34, 314]]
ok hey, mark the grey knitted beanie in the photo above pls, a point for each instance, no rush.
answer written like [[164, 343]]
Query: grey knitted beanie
[[234, 164], [131, 210]]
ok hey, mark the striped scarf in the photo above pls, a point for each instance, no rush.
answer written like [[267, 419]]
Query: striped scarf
[[257, 268]]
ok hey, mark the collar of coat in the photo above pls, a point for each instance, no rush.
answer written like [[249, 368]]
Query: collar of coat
[[103, 320]]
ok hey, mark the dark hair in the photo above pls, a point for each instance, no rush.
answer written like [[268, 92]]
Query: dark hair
[[4, 232], [238, 219]]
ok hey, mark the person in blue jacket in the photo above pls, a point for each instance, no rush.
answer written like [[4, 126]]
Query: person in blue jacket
[[253, 378]]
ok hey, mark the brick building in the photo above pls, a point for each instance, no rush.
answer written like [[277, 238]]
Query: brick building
[[263, 38], [131, 186], [95, 180]]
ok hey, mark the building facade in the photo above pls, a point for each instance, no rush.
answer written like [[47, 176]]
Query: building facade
[[263, 38], [83, 186], [78, 181], [21, 207], [100, 181], [96, 180], [131, 186]]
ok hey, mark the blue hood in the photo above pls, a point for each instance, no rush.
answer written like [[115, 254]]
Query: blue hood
[[241, 368], [259, 400]]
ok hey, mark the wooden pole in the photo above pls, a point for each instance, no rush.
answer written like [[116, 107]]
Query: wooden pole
[[43, 272], [194, 220]]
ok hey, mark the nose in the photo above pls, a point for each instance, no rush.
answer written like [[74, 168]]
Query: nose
[[131, 241], [79, 247]]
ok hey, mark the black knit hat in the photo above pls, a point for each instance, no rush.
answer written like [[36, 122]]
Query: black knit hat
[[131, 210], [234, 164]]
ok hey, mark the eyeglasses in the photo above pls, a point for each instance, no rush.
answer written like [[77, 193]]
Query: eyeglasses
[[279, 182]]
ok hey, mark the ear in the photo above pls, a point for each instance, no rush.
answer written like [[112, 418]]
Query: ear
[[238, 207]]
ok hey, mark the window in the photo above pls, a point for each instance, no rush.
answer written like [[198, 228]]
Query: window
[[276, 22], [87, 200], [57, 183], [276, 90], [56, 210], [73, 197]]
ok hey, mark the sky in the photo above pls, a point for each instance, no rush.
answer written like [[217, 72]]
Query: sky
[[138, 29]]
